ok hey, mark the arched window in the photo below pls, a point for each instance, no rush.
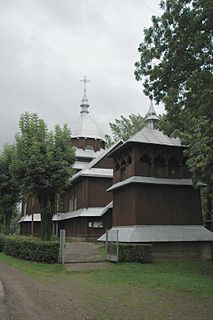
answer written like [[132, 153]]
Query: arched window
[[123, 164], [129, 159], [159, 163], [173, 166], [89, 148], [145, 165]]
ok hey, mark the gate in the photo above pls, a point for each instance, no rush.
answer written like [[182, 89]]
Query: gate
[[62, 246], [112, 245]]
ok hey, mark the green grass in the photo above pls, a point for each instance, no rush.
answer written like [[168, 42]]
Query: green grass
[[191, 276], [35, 269], [194, 276]]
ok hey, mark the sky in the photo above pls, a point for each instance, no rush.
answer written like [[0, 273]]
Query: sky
[[48, 46]]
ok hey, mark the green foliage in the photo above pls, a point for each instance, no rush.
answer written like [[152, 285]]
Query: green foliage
[[43, 164], [9, 187], [124, 128], [141, 253], [30, 249], [2, 238]]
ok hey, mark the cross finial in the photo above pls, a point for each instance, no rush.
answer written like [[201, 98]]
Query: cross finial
[[85, 80]]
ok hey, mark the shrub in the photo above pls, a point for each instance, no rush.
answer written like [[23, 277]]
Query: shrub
[[31, 249], [2, 237], [141, 253]]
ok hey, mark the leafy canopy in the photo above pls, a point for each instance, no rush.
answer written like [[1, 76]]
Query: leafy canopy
[[9, 186], [124, 128], [43, 164], [44, 159]]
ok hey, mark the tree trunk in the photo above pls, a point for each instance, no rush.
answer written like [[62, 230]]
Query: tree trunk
[[7, 219], [46, 216], [209, 209]]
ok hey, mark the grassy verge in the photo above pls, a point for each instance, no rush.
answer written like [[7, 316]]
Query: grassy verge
[[34, 269], [189, 276]]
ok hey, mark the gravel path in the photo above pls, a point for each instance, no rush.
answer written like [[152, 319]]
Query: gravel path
[[28, 299]]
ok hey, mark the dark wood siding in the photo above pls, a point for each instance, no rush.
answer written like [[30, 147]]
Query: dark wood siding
[[159, 204], [26, 229], [156, 204], [98, 197], [81, 143], [78, 227], [124, 206], [104, 163]]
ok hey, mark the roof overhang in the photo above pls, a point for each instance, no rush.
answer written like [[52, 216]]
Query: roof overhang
[[153, 180], [159, 233]]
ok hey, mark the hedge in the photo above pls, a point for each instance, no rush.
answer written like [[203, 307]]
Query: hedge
[[141, 253], [30, 249]]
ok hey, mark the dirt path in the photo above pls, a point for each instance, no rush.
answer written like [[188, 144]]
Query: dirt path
[[28, 299], [77, 296]]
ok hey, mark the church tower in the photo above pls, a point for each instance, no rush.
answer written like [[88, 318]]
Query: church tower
[[86, 134]]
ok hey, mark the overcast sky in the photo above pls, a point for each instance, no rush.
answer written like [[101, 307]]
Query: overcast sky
[[47, 46]]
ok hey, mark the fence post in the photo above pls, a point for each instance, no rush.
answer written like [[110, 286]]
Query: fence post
[[117, 243], [106, 243], [62, 246]]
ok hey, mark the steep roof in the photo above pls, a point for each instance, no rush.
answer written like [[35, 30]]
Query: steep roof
[[154, 136]]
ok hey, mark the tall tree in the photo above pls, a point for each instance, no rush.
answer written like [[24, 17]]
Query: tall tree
[[9, 186], [44, 164], [176, 68], [125, 127]]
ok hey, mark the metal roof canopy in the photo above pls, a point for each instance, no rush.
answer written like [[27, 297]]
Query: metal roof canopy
[[153, 180], [160, 233], [84, 212], [150, 136]]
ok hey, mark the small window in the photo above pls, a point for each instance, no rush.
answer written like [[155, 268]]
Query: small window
[[97, 224], [90, 224], [89, 148]]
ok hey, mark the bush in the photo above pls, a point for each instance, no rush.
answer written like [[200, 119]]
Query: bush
[[30, 249], [2, 237], [141, 253]]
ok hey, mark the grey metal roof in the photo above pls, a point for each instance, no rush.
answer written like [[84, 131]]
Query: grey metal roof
[[91, 164], [98, 172], [158, 233], [152, 180], [28, 218], [80, 165], [151, 109], [153, 136], [86, 127], [84, 212], [90, 154]]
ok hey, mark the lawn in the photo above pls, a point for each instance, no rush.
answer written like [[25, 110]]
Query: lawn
[[178, 289]]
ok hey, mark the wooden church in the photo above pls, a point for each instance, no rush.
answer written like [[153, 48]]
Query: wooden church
[[154, 200], [141, 187]]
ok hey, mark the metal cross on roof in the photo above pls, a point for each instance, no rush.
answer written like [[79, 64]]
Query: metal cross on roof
[[85, 80]]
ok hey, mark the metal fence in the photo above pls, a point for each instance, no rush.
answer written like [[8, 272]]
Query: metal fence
[[112, 245]]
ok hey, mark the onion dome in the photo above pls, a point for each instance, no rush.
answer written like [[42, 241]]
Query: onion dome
[[85, 126]]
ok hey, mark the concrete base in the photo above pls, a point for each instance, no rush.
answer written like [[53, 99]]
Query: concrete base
[[182, 250]]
